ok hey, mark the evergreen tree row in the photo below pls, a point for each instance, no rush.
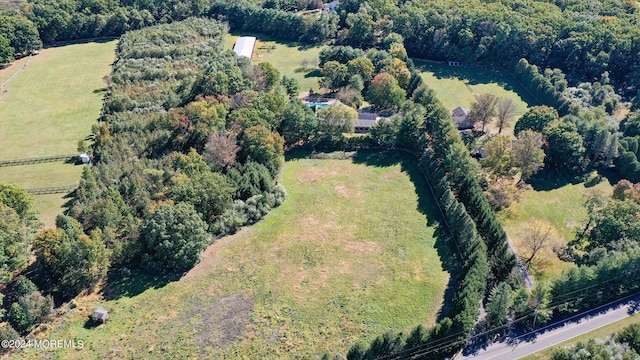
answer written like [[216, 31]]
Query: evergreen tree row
[[461, 170], [541, 87]]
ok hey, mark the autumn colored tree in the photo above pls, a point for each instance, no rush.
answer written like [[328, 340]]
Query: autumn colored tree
[[385, 93], [338, 119], [221, 151]]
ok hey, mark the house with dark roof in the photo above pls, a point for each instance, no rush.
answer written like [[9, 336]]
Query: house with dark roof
[[365, 121]]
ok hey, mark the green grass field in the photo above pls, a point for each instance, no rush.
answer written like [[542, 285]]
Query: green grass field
[[46, 110], [600, 333], [456, 86], [562, 206], [288, 58], [350, 254]]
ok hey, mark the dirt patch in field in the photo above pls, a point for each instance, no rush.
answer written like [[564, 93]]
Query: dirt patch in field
[[223, 321], [312, 174], [348, 192], [367, 247], [214, 254]]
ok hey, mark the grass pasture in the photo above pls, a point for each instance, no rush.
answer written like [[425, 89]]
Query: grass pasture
[[556, 201], [350, 254], [46, 109], [456, 86], [288, 58]]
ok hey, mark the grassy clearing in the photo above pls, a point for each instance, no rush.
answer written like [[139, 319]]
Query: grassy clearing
[[44, 175], [288, 57], [46, 110], [600, 333], [350, 254], [52, 104], [556, 201], [456, 86]]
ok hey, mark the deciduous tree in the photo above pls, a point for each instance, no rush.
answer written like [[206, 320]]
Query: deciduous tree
[[174, 236], [483, 109], [536, 119], [505, 111], [261, 145], [385, 93], [338, 119], [527, 153], [221, 151], [498, 154]]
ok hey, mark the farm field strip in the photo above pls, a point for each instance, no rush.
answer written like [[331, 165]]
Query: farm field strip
[[45, 110], [351, 253]]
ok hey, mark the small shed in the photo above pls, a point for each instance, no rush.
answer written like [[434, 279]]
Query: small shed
[[244, 46], [84, 157], [461, 118], [100, 315]]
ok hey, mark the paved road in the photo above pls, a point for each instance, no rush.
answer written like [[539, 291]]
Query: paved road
[[556, 333]]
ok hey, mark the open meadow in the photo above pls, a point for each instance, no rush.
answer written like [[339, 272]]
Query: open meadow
[[457, 85], [298, 61], [555, 201], [46, 109], [351, 253]]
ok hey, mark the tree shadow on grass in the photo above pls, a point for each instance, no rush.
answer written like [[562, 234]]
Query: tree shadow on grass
[[427, 205], [313, 73], [475, 76], [130, 283], [547, 180]]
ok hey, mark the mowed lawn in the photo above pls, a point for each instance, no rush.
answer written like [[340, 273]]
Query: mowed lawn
[[456, 86], [349, 255], [289, 58], [561, 206], [46, 109], [52, 104], [601, 333]]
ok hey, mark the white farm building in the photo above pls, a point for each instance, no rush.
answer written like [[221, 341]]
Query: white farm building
[[244, 46]]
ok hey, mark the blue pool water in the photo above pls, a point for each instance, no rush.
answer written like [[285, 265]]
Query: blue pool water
[[316, 104]]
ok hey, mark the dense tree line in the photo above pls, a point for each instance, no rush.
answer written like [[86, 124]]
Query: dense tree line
[[546, 90], [585, 42], [280, 24]]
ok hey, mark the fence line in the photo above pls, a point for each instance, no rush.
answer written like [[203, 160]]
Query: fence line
[[52, 190], [37, 160], [16, 73]]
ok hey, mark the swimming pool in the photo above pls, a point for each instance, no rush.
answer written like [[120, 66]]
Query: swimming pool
[[316, 104]]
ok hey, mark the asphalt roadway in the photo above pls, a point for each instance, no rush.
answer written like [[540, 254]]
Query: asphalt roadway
[[550, 335]]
